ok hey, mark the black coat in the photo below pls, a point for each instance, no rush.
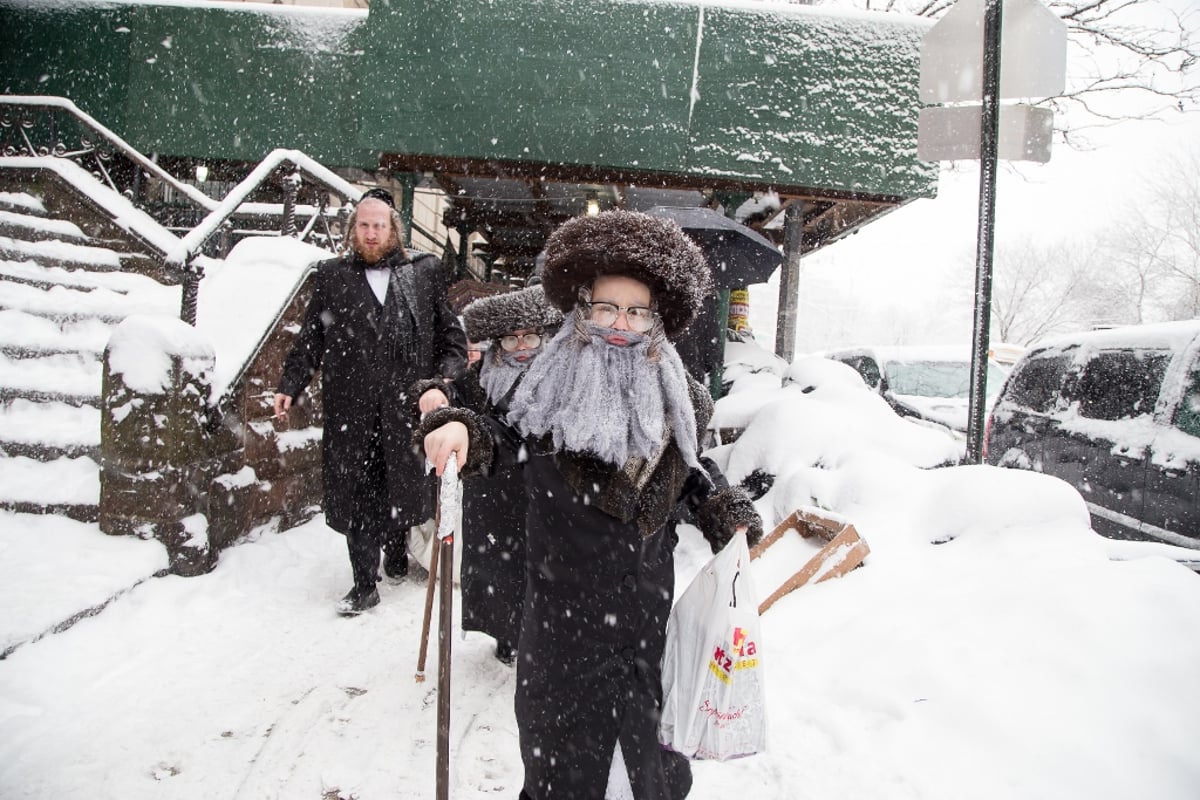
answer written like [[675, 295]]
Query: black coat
[[493, 528], [600, 577], [589, 663], [367, 379]]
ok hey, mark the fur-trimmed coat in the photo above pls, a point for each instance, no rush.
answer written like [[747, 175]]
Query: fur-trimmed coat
[[367, 375], [599, 586]]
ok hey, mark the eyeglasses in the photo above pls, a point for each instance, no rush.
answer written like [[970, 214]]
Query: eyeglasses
[[511, 342], [640, 318]]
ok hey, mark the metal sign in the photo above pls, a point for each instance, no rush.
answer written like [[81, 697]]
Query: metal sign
[[952, 133], [1033, 53]]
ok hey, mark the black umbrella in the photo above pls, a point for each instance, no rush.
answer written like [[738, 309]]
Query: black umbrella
[[739, 255]]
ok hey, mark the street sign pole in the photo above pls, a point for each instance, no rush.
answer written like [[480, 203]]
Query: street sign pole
[[988, 143], [954, 79]]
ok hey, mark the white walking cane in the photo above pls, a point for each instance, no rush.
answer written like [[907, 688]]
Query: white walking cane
[[446, 518]]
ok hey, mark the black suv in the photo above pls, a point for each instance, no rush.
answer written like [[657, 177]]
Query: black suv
[[1115, 413]]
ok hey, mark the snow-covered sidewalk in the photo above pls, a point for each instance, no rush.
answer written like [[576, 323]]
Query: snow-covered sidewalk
[[1018, 662]]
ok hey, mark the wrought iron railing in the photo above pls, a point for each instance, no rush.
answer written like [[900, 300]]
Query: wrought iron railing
[[34, 125], [294, 166], [287, 193]]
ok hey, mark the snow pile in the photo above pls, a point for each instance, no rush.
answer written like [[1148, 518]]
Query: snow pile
[[53, 568], [788, 434], [142, 349], [241, 296]]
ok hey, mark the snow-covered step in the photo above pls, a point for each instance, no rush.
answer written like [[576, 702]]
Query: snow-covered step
[[32, 272], [59, 253], [33, 228], [69, 486], [46, 431], [70, 378], [67, 303], [23, 335], [22, 203]]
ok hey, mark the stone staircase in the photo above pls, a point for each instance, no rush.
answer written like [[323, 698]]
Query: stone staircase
[[62, 291]]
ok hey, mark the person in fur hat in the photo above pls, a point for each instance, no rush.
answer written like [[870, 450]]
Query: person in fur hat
[[609, 421], [493, 515]]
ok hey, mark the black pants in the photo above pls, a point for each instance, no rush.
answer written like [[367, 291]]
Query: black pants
[[374, 524]]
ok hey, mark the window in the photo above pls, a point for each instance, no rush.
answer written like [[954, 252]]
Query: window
[[929, 378], [869, 371], [1119, 384], [1036, 384], [1187, 416], [939, 378]]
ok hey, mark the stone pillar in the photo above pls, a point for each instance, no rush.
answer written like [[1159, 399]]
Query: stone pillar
[[156, 462]]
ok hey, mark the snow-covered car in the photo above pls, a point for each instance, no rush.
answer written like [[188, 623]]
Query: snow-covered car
[[1115, 413], [928, 383]]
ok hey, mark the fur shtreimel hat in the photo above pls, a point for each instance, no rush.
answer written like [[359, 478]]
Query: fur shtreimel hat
[[500, 314], [652, 250]]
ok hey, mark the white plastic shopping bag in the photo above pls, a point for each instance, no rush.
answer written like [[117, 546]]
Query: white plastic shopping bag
[[713, 689]]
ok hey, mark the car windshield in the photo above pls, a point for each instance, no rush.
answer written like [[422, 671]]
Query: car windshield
[[938, 378]]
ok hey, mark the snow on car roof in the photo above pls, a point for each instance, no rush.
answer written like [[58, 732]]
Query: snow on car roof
[[898, 352], [1161, 335]]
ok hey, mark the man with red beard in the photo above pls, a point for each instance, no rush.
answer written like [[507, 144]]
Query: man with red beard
[[381, 331]]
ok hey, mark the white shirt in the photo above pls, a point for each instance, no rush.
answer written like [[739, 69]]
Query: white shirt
[[378, 278]]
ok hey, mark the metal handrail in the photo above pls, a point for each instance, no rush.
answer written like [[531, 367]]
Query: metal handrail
[[184, 254], [235, 202], [63, 104]]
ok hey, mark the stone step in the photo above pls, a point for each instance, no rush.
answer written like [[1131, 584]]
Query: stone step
[[67, 486], [36, 274], [78, 512], [34, 228], [20, 226], [66, 303], [71, 378], [9, 394], [59, 254], [45, 431], [22, 203], [48, 452], [25, 335]]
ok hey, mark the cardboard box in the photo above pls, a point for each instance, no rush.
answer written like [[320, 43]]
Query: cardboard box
[[842, 550]]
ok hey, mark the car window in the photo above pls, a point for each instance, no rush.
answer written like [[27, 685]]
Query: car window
[[995, 379], [869, 371], [1187, 416], [929, 378], [938, 378], [1119, 384], [1037, 382]]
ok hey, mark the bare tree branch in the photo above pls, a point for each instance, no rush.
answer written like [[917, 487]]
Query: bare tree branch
[[1134, 59], [1157, 242], [1042, 289]]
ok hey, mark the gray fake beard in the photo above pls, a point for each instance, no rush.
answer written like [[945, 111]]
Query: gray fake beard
[[606, 400], [497, 379]]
